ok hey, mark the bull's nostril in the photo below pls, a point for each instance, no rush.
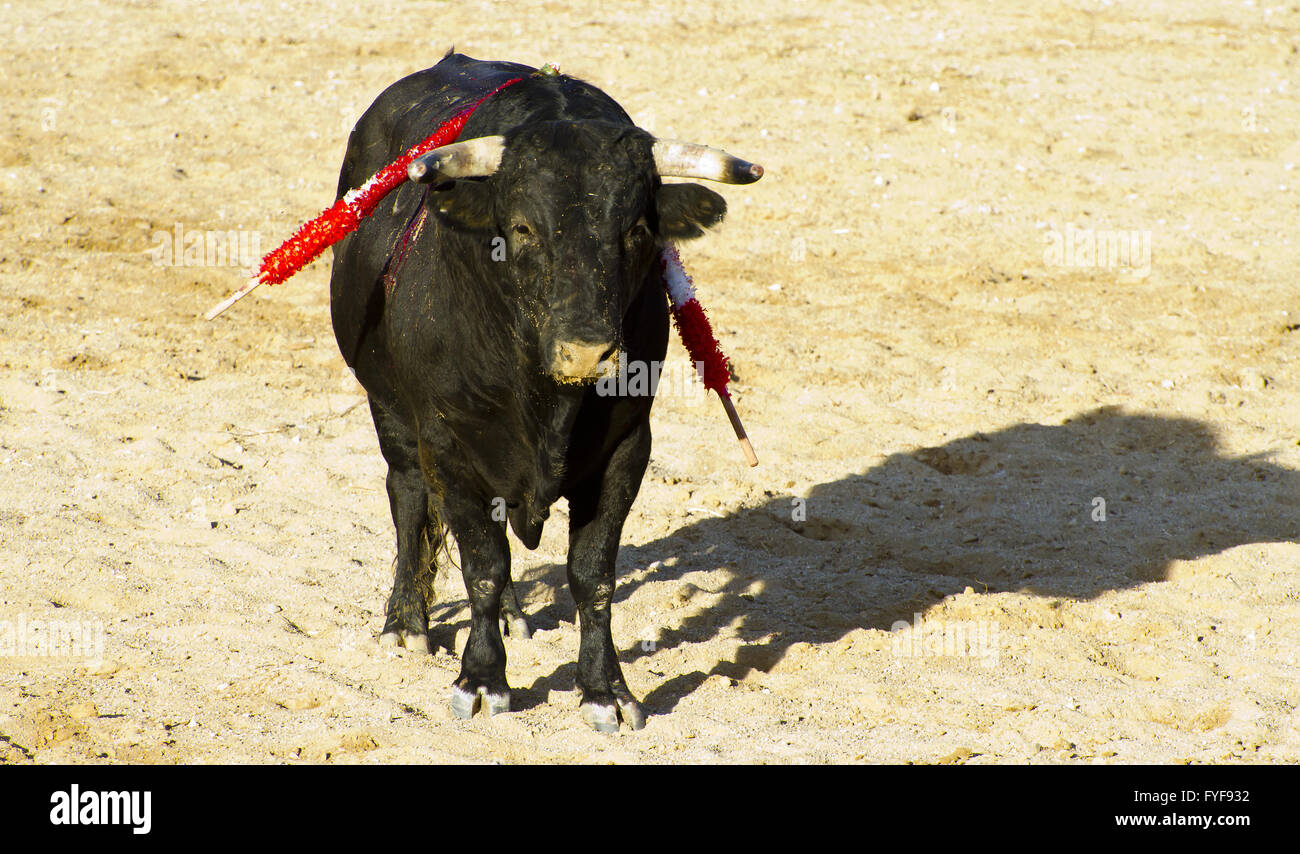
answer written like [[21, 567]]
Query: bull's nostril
[[573, 360], [610, 354]]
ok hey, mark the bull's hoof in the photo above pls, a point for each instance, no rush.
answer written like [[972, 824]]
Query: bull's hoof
[[414, 641], [516, 627], [465, 703], [604, 717]]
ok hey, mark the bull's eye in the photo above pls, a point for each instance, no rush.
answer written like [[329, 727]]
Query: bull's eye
[[638, 232], [523, 230]]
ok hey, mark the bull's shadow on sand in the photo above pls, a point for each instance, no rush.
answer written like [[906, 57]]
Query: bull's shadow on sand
[[1015, 510]]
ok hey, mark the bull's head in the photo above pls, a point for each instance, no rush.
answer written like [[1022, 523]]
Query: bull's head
[[582, 214]]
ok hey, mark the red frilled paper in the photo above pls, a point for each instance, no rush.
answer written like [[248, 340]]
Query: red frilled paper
[[340, 220]]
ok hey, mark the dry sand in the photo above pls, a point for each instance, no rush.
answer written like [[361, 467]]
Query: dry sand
[[937, 394]]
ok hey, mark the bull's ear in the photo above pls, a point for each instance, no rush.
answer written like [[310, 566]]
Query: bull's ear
[[463, 204], [685, 210]]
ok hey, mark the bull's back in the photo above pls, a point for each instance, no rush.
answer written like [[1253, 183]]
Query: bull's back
[[412, 108]]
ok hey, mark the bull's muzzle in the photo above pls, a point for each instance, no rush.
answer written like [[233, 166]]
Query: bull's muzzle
[[577, 361]]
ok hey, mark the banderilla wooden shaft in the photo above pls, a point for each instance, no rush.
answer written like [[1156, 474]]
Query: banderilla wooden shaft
[[226, 303], [734, 417]]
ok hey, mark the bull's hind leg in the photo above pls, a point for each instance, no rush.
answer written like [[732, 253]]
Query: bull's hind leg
[[513, 621], [407, 620], [597, 511]]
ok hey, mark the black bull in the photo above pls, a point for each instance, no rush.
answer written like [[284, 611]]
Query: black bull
[[476, 306]]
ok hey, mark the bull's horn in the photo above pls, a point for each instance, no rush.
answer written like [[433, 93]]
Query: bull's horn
[[473, 158], [675, 159]]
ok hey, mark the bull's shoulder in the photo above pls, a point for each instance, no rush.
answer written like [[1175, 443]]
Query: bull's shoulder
[[410, 109], [452, 84]]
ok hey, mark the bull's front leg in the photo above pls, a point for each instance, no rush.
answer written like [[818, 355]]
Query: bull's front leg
[[485, 566], [597, 511]]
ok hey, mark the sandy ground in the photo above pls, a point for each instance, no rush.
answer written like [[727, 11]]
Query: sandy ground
[[945, 386]]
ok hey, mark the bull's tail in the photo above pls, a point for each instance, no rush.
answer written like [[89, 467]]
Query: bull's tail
[[436, 557]]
